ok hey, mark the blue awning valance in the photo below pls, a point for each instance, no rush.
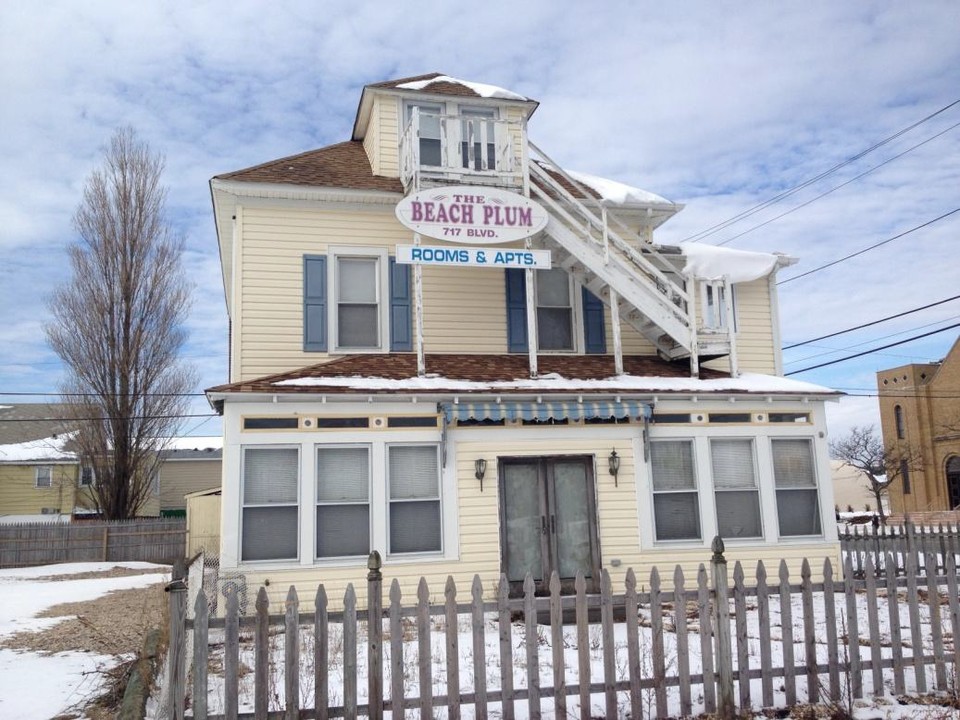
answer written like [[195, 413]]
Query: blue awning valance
[[542, 411]]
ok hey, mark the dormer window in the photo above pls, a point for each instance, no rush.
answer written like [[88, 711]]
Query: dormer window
[[478, 151], [431, 153]]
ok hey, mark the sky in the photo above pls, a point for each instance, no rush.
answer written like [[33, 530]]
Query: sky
[[720, 106]]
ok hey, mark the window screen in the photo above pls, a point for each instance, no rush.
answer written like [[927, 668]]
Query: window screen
[[798, 510], [676, 506], [735, 485], [414, 489], [270, 518], [343, 501]]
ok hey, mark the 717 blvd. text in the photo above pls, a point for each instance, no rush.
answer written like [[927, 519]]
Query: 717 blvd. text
[[472, 257]]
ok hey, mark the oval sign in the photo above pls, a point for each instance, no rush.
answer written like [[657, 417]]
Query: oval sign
[[473, 215]]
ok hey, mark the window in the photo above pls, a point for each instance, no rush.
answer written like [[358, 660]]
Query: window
[[269, 521], [676, 507], [477, 146], [414, 498], [735, 485], [358, 298], [87, 476], [898, 421], [554, 291], [798, 509], [343, 501], [905, 476], [431, 152], [44, 476], [715, 306]]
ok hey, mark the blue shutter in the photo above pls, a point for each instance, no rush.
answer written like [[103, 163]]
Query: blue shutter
[[594, 335], [401, 334], [315, 303], [516, 310]]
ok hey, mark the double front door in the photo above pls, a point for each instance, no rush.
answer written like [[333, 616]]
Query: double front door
[[548, 522]]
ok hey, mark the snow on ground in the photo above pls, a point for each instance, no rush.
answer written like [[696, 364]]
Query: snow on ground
[[37, 686]]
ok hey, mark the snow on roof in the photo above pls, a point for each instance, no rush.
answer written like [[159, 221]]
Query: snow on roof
[[196, 442], [747, 382], [47, 449], [481, 89], [617, 193], [710, 262]]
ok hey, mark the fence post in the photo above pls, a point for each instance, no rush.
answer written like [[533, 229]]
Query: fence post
[[718, 566], [375, 636], [177, 652]]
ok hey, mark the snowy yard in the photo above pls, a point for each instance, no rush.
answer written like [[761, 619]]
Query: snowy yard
[[51, 666]]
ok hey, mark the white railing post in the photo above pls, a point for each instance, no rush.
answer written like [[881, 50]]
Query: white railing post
[[418, 311], [731, 339]]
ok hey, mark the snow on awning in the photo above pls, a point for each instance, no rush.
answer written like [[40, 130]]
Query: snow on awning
[[709, 262], [544, 410]]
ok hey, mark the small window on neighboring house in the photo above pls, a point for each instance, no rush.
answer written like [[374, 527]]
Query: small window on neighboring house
[[343, 501], [86, 476], [676, 505], [798, 508], [735, 485], [905, 476], [554, 291], [414, 497], [898, 421], [44, 476]]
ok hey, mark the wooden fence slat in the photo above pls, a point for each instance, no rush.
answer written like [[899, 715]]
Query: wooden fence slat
[[873, 621], [659, 657], [852, 627], [374, 637], [913, 608], [809, 634], [479, 650], [609, 648], [533, 648], [397, 701], [231, 655], [743, 647], [424, 653], [632, 611], [683, 649], [763, 621], [830, 620], [262, 657], [896, 642], [506, 648], [786, 636], [705, 617], [350, 653], [936, 621], [583, 647], [200, 652], [321, 655], [177, 654], [291, 655], [452, 649], [556, 641]]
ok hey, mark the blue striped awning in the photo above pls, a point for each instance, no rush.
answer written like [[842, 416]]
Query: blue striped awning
[[545, 410]]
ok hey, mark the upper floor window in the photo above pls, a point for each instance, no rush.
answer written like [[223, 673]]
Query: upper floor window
[[477, 146], [86, 476], [359, 318], [715, 306], [44, 476], [798, 507], [898, 421], [430, 145], [555, 310]]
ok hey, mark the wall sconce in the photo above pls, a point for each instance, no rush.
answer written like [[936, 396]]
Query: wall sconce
[[614, 461], [479, 469]]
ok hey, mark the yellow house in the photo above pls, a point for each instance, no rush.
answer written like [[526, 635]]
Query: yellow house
[[920, 418], [446, 348]]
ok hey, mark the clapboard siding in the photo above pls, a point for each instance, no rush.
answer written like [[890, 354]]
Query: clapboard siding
[[19, 494], [180, 477]]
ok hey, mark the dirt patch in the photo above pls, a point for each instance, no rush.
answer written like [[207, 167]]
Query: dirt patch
[[113, 624], [111, 573]]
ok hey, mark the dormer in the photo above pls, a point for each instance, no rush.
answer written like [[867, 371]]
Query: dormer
[[436, 129]]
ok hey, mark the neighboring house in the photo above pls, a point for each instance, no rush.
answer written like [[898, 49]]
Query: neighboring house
[[190, 465], [920, 417], [445, 348]]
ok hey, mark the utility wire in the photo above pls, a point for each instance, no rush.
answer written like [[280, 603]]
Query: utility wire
[[834, 189], [868, 352], [873, 322], [91, 394], [107, 417], [790, 191], [867, 249]]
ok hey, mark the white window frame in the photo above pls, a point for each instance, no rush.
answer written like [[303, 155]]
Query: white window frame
[[383, 297], [431, 108], [492, 114], [811, 444], [576, 313], [93, 476], [316, 502], [242, 505], [37, 477], [716, 312], [752, 440], [389, 501], [695, 491]]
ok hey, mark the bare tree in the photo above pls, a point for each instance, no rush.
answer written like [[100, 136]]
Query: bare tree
[[863, 449], [118, 327]]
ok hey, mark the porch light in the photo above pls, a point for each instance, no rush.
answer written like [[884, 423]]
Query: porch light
[[614, 461], [479, 470]]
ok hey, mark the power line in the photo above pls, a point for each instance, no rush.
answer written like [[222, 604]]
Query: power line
[[790, 191], [98, 419], [873, 322], [868, 352], [91, 394], [835, 188], [867, 249]]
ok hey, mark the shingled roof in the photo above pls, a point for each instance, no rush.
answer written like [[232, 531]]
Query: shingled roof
[[24, 422], [344, 165]]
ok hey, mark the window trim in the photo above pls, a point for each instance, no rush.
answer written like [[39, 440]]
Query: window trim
[[388, 501], [381, 254], [242, 505], [316, 502], [576, 314], [36, 477]]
